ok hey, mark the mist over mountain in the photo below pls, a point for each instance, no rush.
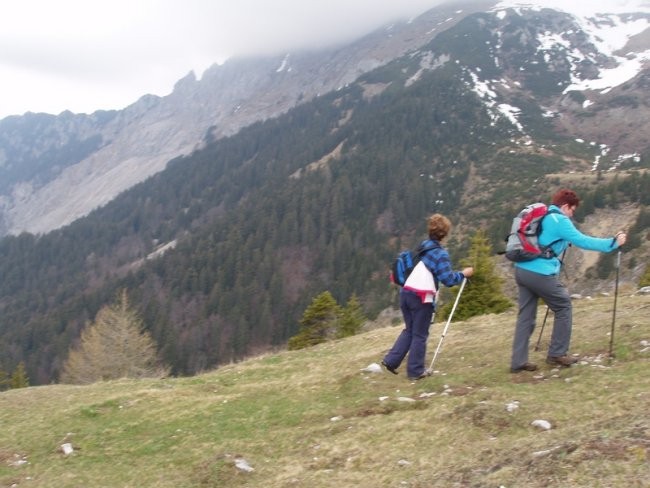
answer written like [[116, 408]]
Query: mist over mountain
[[56, 169], [226, 207]]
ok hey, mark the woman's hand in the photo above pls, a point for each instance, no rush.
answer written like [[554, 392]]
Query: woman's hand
[[467, 272], [621, 238]]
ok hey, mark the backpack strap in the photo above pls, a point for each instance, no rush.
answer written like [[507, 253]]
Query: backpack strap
[[425, 248]]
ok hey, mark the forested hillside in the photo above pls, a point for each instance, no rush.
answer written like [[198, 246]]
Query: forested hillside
[[222, 251]]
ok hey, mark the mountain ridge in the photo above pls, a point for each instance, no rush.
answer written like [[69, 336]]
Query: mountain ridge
[[113, 150], [139, 141]]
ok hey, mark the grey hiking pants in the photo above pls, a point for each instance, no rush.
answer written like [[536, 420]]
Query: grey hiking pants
[[532, 287]]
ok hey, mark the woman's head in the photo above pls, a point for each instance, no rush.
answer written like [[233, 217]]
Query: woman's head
[[438, 226], [566, 196]]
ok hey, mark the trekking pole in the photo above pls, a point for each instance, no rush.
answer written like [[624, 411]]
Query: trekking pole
[[444, 331], [542, 329], [611, 338], [547, 308]]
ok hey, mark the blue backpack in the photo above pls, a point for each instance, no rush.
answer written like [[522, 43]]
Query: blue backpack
[[406, 261]]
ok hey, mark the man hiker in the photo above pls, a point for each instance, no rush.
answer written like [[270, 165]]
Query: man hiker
[[539, 278], [417, 300]]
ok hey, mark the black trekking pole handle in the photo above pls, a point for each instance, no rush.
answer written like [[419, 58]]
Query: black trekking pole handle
[[614, 240]]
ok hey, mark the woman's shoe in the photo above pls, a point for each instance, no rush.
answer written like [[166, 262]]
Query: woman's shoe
[[389, 368], [564, 361], [524, 367]]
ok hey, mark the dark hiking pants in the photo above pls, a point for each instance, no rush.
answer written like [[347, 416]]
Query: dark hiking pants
[[413, 339]]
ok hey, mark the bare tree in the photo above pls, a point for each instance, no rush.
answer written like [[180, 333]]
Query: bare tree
[[114, 346]]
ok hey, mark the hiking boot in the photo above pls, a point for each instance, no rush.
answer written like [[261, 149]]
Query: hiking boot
[[524, 367], [564, 361], [416, 378], [389, 368]]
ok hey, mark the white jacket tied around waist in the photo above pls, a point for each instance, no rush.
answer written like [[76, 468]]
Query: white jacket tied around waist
[[421, 282]]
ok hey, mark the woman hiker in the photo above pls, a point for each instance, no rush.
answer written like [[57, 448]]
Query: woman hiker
[[539, 278], [417, 300]]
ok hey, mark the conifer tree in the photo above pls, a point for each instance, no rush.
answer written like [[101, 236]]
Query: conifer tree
[[318, 323], [483, 293], [114, 346], [4, 380], [352, 318], [19, 377]]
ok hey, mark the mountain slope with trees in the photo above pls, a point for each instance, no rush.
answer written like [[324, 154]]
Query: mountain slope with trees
[[223, 251]]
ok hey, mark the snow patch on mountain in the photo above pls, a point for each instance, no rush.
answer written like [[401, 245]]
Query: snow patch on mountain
[[428, 62], [485, 91], [609, 26], [284, 66], [611, 33], [580, 8]]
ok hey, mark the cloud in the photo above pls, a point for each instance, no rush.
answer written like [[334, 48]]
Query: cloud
[[84, 55]]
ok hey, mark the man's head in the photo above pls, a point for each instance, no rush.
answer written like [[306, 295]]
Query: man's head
[[438, 226]]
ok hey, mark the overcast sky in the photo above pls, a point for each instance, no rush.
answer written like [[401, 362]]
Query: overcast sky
[[85, 55]]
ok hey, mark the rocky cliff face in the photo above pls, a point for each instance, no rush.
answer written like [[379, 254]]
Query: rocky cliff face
[[59, 168]]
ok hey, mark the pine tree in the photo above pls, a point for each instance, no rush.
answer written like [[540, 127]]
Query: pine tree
[[19, 377], [112, 347], [352, 318], [4, 380], [318, 323], [483, 293]]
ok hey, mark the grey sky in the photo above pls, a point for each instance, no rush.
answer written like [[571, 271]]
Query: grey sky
[[85, 55]]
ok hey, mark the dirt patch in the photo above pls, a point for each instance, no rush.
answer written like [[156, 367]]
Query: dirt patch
[[371, 90], [525, 377], [461, 391], [382, 410]]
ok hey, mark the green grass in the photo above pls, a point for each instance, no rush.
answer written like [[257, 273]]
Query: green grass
[[312, 418]]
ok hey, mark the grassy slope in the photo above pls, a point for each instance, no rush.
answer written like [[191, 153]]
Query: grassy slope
[[279, 413]]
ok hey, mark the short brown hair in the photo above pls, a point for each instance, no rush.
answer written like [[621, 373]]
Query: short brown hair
[[438, 226], [566, 196]]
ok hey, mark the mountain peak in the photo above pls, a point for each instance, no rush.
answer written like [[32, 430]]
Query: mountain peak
[[581, 8]]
